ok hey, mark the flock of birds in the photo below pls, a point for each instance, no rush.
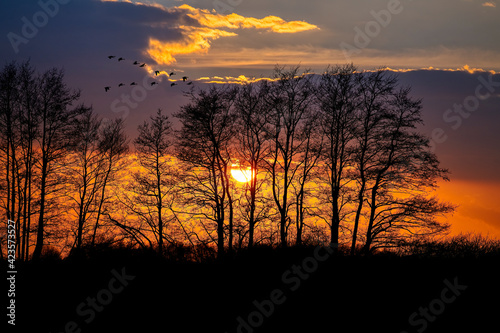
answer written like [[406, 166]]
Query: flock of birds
[[157, 72]]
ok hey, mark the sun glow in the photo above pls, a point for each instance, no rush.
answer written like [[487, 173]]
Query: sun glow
[[241, 175]]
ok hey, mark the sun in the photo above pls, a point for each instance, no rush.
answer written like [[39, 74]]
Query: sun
[[241, 175]]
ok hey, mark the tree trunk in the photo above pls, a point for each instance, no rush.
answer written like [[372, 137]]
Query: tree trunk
[[334, 229], [101, 202], [283, 210], [300, 217], [251, 226], [160, 220], [358, 215], [40, 232], [230, 201]]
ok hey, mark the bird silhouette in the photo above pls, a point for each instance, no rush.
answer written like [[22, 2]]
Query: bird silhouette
[[171, 74], [142, 65], [121, 84], [184, 78], [173, 84], [107, 88], [136, 62], [120, 59], [153, 83], [133, 84], [111, 57], [157, 72]]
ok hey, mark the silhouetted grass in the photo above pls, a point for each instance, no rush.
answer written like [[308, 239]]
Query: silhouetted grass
[[460, 246], [187, 289]]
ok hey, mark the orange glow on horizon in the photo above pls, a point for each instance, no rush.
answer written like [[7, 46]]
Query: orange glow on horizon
[[477, 211]]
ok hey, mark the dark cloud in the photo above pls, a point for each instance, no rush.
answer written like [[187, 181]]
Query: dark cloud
[[87, 29]]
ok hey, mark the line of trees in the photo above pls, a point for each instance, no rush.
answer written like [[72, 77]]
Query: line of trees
[[334, 156]]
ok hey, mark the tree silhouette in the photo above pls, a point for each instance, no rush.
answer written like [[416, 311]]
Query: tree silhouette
[[55, 112], [35, 116], [9, 120], [203, 145], [371, 120], [251, 147], [113, 146], [337, 99], [338, 151], [399, 177], [84, 168], [290, 100], [155, 184], [28, 129]]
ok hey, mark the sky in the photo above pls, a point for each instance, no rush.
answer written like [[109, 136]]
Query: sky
[[448, 51]]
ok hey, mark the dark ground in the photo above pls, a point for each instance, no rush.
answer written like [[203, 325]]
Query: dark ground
[[342, 294]]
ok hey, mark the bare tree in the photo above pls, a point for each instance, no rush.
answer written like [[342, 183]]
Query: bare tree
[[155, 183], [9, 137], [404, 171], [251, 148], [374, 90], [29, 131], [84, 167], [112, 147], [55, 110], [203, 145], [289, 100], [307, 161], [337, 97]]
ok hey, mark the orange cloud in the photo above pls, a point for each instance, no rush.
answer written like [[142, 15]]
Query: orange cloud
[[235, 21], [489, 4], [197, 39], [465, 68], [242, 79]]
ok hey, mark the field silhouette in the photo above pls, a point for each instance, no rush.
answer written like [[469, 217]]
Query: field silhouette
[[346, 293]]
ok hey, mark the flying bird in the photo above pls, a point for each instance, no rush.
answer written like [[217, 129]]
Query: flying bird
[[184, 78], [133, 84], [142, 65], [136, 63], [171, 74], [120, 59], [157, 72], [111, 57], [107, 88], [121, 84], [153, 83], [173, 84]]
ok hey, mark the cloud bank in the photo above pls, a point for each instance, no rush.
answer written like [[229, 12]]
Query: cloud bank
[[209, 26]]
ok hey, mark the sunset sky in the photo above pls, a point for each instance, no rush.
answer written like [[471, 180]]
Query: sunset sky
[[447, 50]]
